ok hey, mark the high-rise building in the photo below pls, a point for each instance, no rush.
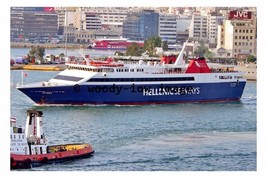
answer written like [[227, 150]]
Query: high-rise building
[[92, 21], [168, 28], [109, 16], [131, 27], [33, 24], [238, 34], [198, 29], [141, 25], [213, 20]]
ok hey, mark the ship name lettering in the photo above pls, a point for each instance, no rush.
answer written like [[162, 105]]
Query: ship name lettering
[[171, 90]]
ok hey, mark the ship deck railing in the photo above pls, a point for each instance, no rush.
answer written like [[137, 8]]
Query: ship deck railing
[[35, 84]]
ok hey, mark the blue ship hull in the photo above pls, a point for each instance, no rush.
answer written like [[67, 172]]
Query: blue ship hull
[[135, 94]]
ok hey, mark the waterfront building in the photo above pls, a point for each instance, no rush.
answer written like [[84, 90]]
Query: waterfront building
[[141, 25], [213, 20], [183, 24], [69, 33], [182, 36], [106, 34], [198, 29], [109, 16], [238, 34], [168, 28], [92, 21], [83, 36], [36, 24], [66, 15], [131, 27]]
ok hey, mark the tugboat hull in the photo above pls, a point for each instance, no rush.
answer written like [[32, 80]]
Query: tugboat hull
[[56, 155]]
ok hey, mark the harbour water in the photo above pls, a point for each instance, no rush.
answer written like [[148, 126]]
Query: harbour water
[[175, 137]]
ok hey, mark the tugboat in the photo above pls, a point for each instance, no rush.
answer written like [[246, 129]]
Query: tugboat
[[29, 146]]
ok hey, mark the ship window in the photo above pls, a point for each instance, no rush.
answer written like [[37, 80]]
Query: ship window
[[19, 130], [30, 121], [15, 130], [68, 78], [140, 79]]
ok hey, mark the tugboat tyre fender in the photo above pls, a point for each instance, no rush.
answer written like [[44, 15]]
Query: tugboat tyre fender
[[12, 162], [45, 160], [28, 163]]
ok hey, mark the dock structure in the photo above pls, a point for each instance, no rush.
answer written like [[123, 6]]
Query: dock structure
[[250, 71], [48, 45], [39, 67]]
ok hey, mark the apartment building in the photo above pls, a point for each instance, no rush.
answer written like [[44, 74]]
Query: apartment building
[[168, 28], [198, 29], [213, 20], [92, 21], [238, 34], [38, 24]]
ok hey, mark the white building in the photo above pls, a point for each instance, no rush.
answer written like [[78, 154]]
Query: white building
[[109, 16], [198, 29], [168, 28], [66, 15], [213, 21], [183, 23]]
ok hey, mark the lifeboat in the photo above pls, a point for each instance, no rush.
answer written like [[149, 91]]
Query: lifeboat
[[105, 64]]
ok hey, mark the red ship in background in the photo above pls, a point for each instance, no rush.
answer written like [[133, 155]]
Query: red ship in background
[[113, 44]]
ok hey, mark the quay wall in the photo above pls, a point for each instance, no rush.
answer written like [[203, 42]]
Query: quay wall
[[48, 45]]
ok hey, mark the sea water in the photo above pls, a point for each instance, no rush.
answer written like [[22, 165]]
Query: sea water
[[171, 137]]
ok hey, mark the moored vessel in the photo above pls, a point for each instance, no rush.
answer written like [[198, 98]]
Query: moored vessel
[[29, 147], [113, 44]]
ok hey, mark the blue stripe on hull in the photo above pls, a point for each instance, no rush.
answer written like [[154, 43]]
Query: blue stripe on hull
[[136, 94]]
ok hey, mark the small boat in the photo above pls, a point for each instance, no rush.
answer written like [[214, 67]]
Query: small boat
[[29, 146]]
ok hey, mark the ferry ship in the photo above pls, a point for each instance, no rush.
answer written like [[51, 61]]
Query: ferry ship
[[109, 82], [29, 146], [113, 44]]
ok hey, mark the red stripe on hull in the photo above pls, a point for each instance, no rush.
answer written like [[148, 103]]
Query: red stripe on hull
[[25, 161], [144, 103]]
